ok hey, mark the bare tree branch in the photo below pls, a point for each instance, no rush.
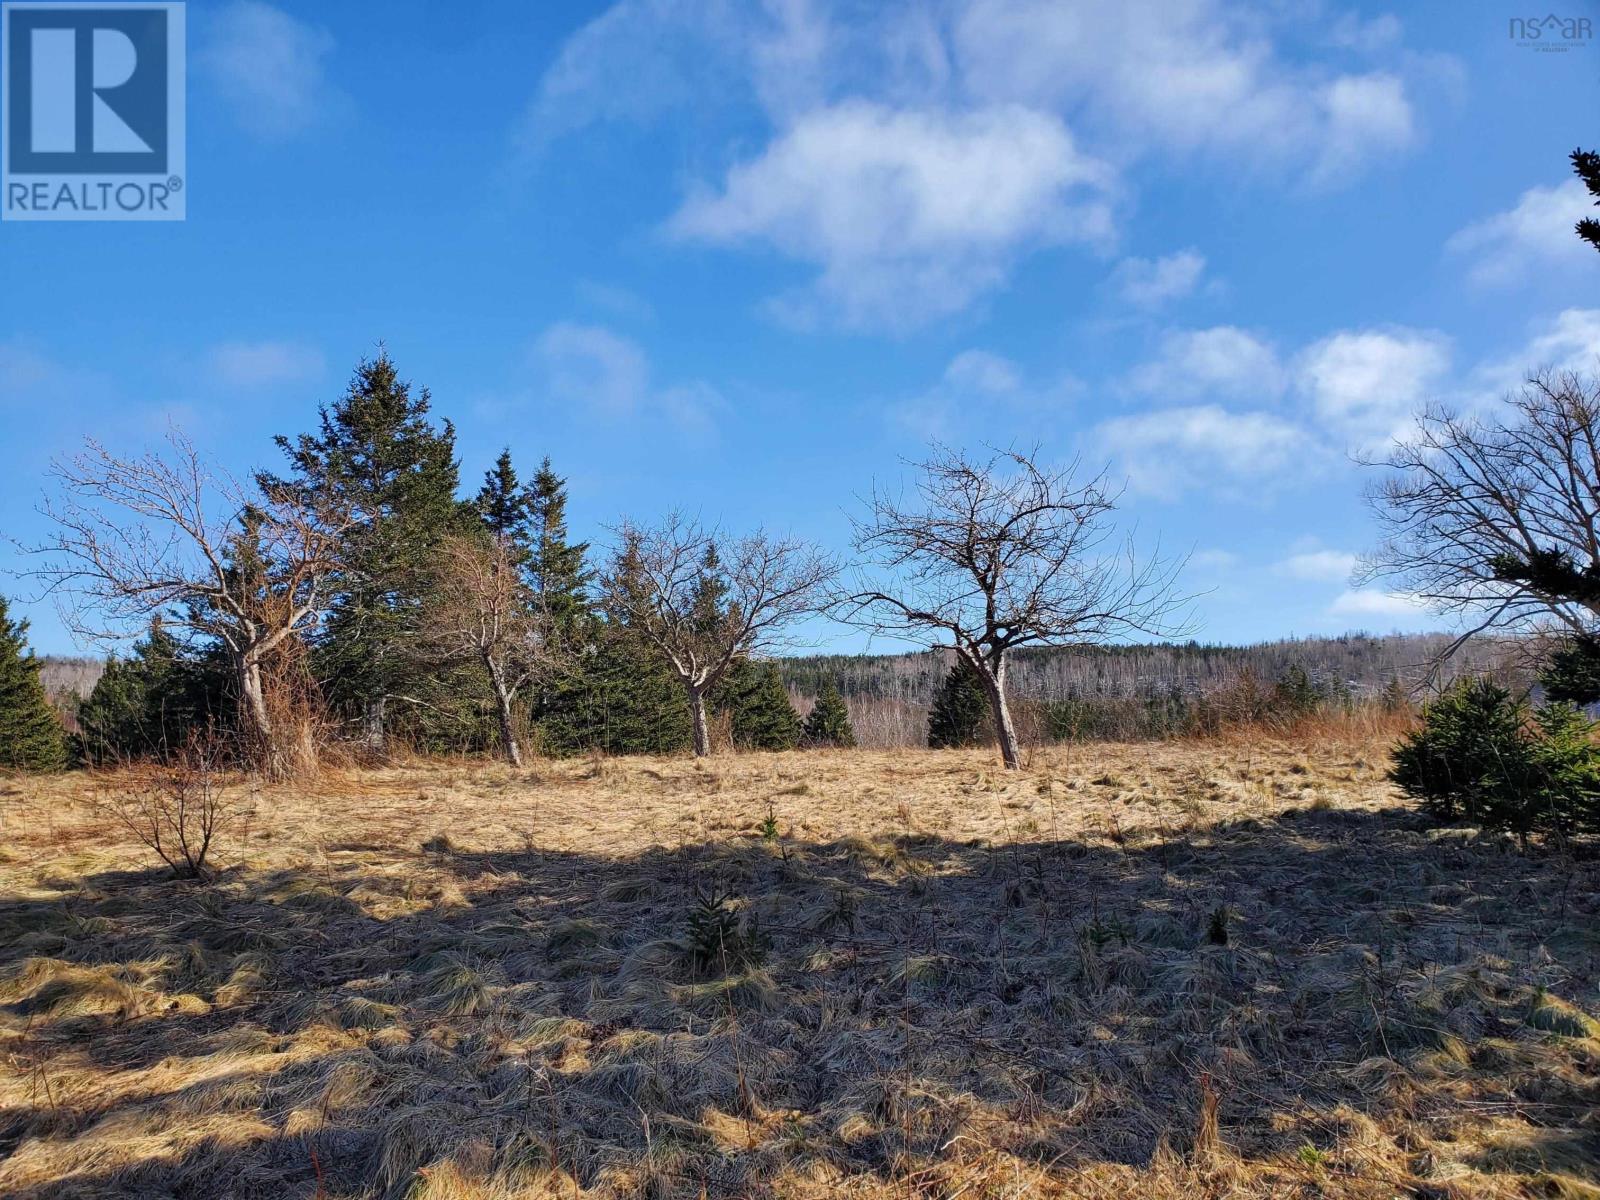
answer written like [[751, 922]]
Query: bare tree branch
[[481, 609], [1497, 521], [168, 535], [1000, 552], [704, 599]]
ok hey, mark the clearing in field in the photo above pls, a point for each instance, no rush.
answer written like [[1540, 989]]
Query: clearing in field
[[1169, 970]]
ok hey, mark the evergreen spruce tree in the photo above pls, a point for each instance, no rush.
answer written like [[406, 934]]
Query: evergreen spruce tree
[[828, 723], [31, 735], [1572, 672], [378, 450], [111, 717], [1586, 163], [622, 699], [1294, 695], [761, 715], [560, 576], [152, 701], [503, 504], [959, 710]]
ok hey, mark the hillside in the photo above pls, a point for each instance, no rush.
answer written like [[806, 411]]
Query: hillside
[[1362, 663]]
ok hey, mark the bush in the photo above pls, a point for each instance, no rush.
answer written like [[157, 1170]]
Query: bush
[[1478, 757], [180, 808], [961, 712], [1572, 672], [828, 723], [1567, 771]]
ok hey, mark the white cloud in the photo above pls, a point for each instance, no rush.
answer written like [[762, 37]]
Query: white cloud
[[263, 364], [1380, 33], [1365, 385], [1364, 117], [642, 58], [1170, 451], [983, 372], [1152, 282], [588, 369], [1213, 560], [1329, 566], [588, 366], [1569, 342], [1532, 236], [1372, 602], [1182, 74], [269, 66], [619, 301], [1221, 361], [909, 215], [980, 388], [916, 152], [30, 377]]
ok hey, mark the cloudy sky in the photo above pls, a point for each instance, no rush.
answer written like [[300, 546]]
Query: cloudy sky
[[745, 258]]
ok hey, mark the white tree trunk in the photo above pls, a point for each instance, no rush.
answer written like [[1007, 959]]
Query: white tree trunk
[[994, 681], [502, 699], [273, 759], [702, 732], [372, 720]]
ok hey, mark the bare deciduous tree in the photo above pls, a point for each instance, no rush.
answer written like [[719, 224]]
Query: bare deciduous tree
[[704, 599], [179, 809], [480, 609], [997, 553], [168, 535], [1496, 521]]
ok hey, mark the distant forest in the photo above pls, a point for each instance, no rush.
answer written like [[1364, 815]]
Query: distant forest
[[1362, 664]]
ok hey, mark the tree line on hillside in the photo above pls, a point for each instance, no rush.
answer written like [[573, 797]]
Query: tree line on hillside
[[353, 595], [1364, 664]]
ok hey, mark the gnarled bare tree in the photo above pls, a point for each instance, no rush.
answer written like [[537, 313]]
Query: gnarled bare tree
[[168, 535], [1495, 520], [1000, 552], [480, 609], [704, 599]]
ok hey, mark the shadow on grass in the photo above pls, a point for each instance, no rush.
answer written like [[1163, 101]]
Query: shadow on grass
[[1346, 992]]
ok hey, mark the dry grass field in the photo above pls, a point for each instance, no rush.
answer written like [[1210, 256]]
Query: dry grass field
[[934, 980]]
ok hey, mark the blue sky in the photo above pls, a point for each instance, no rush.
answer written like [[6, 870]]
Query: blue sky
[[743, 257]]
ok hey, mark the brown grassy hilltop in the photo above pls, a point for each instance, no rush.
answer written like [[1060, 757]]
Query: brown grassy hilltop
[[1182, 969]]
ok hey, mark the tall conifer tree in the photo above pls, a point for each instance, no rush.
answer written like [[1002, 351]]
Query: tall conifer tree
[[32, 737], [378, 450]]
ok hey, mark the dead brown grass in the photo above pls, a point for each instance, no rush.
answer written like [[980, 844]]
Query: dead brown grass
[[452, 982]]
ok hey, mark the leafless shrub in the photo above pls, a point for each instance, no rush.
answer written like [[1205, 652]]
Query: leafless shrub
[[179, 808]]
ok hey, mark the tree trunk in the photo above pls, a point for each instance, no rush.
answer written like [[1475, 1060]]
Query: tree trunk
[[994, 679], [502, 700], [372, 721], [702, 733], [256, 719]]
